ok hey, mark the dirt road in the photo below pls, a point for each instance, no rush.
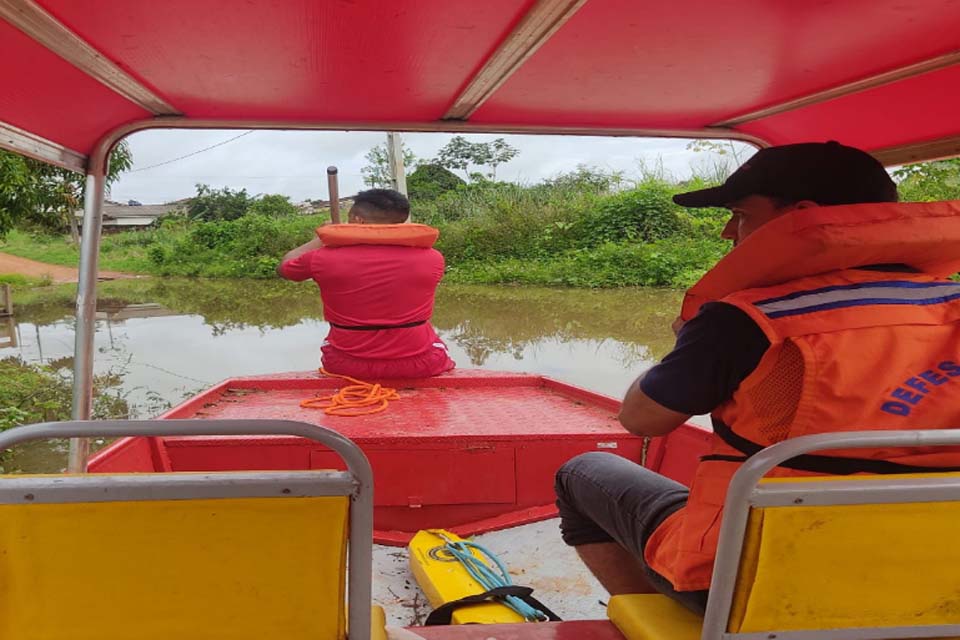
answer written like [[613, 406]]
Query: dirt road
[[34, 269]]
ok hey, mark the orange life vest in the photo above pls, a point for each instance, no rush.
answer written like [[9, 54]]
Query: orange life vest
[[849, 350], [403, 234]]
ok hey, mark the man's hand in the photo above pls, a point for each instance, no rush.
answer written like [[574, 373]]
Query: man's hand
[[677, 324], [642, 416]]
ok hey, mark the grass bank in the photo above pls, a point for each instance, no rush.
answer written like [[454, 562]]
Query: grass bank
[[584, 229]]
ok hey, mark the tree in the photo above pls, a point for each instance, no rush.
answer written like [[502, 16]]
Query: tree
[[731, 155], [498, 152], [929, 181], [218, 204], [273, 206], [376, 174], [17, 190], [430, 181], [46, 196], [460, 154]]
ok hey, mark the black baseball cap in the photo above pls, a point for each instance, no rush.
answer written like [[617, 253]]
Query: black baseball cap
[[827, 173]]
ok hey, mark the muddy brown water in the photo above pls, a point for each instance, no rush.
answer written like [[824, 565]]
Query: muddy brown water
[[166, 339]]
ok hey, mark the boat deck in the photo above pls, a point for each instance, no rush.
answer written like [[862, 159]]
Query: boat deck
[[579, 630], [465, 403], [471, 450]]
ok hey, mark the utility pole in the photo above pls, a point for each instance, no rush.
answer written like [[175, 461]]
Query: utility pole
[[398, 176]]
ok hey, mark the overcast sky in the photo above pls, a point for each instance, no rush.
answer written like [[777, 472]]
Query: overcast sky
[[294, 163]]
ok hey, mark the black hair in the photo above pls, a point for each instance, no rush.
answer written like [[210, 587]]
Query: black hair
[[383, 206]]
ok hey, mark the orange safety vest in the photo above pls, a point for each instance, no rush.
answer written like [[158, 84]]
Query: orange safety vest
[[849, 350], [403, 234]]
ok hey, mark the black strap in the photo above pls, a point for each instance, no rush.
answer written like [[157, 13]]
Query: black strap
[[832, 465], [378, 327], [443, 614]]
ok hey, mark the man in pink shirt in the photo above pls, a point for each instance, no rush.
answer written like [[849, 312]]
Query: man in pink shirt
[[378, 298]]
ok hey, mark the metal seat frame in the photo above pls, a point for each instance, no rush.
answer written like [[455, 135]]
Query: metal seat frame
[[356, 483]]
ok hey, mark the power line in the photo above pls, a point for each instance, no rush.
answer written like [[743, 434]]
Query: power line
[[213, 146]]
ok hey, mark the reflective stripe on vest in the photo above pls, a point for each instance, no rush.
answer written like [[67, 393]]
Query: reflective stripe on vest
[[886, 292]]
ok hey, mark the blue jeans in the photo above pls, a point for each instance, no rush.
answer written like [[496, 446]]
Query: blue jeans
[[604, 497]]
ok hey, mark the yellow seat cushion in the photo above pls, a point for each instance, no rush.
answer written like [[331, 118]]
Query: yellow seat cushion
[[378, 623], [651, 616], [841, 566], [205, 569]]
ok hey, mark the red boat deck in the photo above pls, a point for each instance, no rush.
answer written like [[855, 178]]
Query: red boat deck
[[575, 630], [470, 451]]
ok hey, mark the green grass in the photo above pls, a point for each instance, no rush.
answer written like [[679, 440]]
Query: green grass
[[49, 249], [126, 251], [18, 281]]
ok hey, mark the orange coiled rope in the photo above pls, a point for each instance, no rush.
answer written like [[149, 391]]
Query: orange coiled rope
[[357, 399]]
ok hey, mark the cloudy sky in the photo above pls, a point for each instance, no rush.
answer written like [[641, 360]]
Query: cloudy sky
[[294, 163]]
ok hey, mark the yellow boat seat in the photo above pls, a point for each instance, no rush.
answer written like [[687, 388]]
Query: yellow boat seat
[[651, 616], [840, 556], [238, 555]]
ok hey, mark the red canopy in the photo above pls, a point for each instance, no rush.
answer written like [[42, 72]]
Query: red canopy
[[883, 75]]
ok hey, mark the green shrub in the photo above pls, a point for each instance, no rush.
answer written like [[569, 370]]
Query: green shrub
[[644, 213], [665, 263], [430, 181], [250, 246]]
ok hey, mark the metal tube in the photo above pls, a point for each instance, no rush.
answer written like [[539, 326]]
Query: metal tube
[[107, 142], [86, 313], [334, 188]]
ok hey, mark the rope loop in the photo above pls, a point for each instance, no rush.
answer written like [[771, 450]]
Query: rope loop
[[357, 399]]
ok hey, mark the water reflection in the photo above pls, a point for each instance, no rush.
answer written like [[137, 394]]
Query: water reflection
[[168, 338], [8, 333]]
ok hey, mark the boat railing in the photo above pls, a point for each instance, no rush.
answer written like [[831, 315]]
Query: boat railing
[[356, 482]]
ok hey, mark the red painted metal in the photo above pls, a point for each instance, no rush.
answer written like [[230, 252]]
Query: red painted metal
[[300, 59], [133, 454], [574, 630], [877, 118], [690, 64], [48, 96], [655, 66], [470, 450], [678, 454]]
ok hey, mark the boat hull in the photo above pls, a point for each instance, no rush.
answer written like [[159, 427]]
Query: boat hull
[[470, 451]]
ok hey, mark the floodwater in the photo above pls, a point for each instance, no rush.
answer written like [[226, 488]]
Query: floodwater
[[162, 340]]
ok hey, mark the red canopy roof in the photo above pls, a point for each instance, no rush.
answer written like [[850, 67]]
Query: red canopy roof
[[880, 74]]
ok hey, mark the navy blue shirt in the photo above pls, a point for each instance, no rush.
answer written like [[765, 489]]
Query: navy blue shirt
[[715, 351]]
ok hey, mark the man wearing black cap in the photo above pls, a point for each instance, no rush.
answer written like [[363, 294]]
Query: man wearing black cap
[[610, 507]]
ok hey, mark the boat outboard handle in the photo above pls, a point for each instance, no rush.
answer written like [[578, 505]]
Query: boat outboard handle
[[334, 189]]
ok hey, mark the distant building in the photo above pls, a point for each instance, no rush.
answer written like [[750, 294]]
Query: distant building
[[311, 207], [133, 215]]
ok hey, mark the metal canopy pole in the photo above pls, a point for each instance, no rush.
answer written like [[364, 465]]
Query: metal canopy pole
[[86, 311]]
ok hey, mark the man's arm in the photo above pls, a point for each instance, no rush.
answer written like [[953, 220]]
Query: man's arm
[[714, 353], [642, 416], [293, 255]]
